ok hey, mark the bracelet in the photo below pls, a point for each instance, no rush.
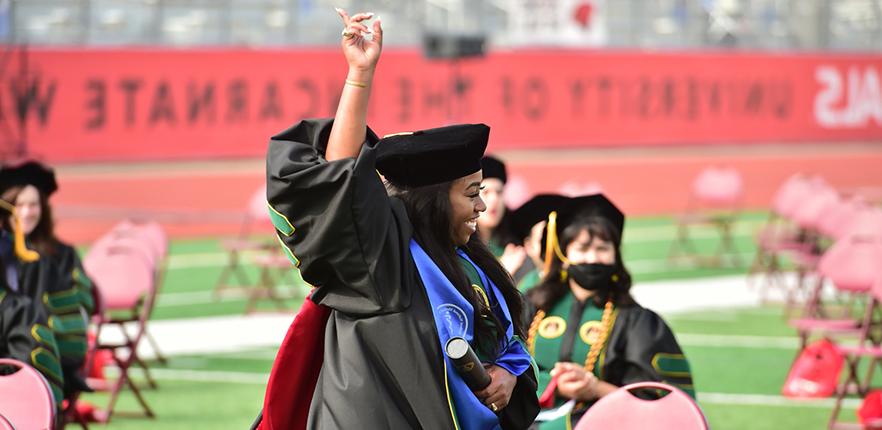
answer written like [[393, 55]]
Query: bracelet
[[356, 83]]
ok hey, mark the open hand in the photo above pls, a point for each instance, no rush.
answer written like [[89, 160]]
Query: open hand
[[513, 258], [573, 382], [361, 45]]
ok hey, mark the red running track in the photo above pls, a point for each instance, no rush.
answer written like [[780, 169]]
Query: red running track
[[209, 198]]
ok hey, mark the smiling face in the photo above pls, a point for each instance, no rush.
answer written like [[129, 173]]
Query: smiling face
[[587, 249], [465, 207], [27, 206], [491, 193]]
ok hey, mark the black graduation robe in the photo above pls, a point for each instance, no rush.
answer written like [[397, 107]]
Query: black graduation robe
[[70, 304], [382, 366], [24, 336], [641, 347], [66, 305]]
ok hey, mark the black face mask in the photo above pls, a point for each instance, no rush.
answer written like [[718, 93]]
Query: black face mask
[[594, 276]]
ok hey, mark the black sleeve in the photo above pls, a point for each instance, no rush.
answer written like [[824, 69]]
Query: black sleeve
[[336, 222], [652, 352], [524, 404], [25, 336], [71, 268]]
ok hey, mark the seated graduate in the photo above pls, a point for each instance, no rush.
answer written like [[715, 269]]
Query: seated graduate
[[402, 273], [24, 324], [68, 301], [587, 334], [528, 225]]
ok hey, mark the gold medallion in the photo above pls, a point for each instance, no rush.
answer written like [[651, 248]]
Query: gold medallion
[[552, 327], [590, 332]]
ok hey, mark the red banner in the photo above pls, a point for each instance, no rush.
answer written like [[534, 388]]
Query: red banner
[[91, 105]]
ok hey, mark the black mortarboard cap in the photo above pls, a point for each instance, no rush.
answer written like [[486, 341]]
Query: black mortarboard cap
[[533, 211], [494, 168], [591, 205], [584, 206], [432, 156], [28, 173]]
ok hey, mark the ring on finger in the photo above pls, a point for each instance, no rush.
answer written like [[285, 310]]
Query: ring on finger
[[493, 407], [347, 34]]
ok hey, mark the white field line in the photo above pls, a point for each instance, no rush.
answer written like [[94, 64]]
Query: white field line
[[666, 265], [635, 235], [205, 297], [197, 375], [738, 341], [220, 259], [772, 400], [669, 232]]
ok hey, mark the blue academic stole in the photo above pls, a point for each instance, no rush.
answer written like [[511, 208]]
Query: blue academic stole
[[454, 316]]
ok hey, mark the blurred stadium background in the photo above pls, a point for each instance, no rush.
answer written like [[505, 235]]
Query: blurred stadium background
[[161, 110]]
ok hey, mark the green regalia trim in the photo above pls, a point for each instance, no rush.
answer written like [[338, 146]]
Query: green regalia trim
[[43, 335], [291, 257], [71, 345], [280, 221], [673, 365], [47, 363], [81, 280], [64, 301], [67, 324]]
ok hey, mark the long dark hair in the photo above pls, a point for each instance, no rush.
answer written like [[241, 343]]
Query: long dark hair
[[42, 239], [429, 211], [554, 287]]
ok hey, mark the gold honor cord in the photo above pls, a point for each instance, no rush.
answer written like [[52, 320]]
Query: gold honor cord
[[24, 254]]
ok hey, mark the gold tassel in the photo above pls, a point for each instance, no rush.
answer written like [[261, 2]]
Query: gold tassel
[[550, 240], [552, 244], [21, 251]]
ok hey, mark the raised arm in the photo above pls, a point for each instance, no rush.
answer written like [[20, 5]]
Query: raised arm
[[361, 47]]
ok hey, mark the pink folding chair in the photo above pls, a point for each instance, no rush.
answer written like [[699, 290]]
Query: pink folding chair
[[865, 223], [853, 355], [256, 217], [808, 217], [715, 200], [793, 234], [125, 281], [274, 268], [622, 410], [26, 401], [852, 265], [150, 232], [840, 218], [150, 240]]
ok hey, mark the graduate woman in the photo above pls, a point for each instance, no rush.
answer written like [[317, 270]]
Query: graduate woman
[[24, 323], [68, 298], [587, 334], [401, 273]]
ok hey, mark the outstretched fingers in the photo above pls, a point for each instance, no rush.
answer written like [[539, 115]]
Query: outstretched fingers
[[378, 32], [359, 17]]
